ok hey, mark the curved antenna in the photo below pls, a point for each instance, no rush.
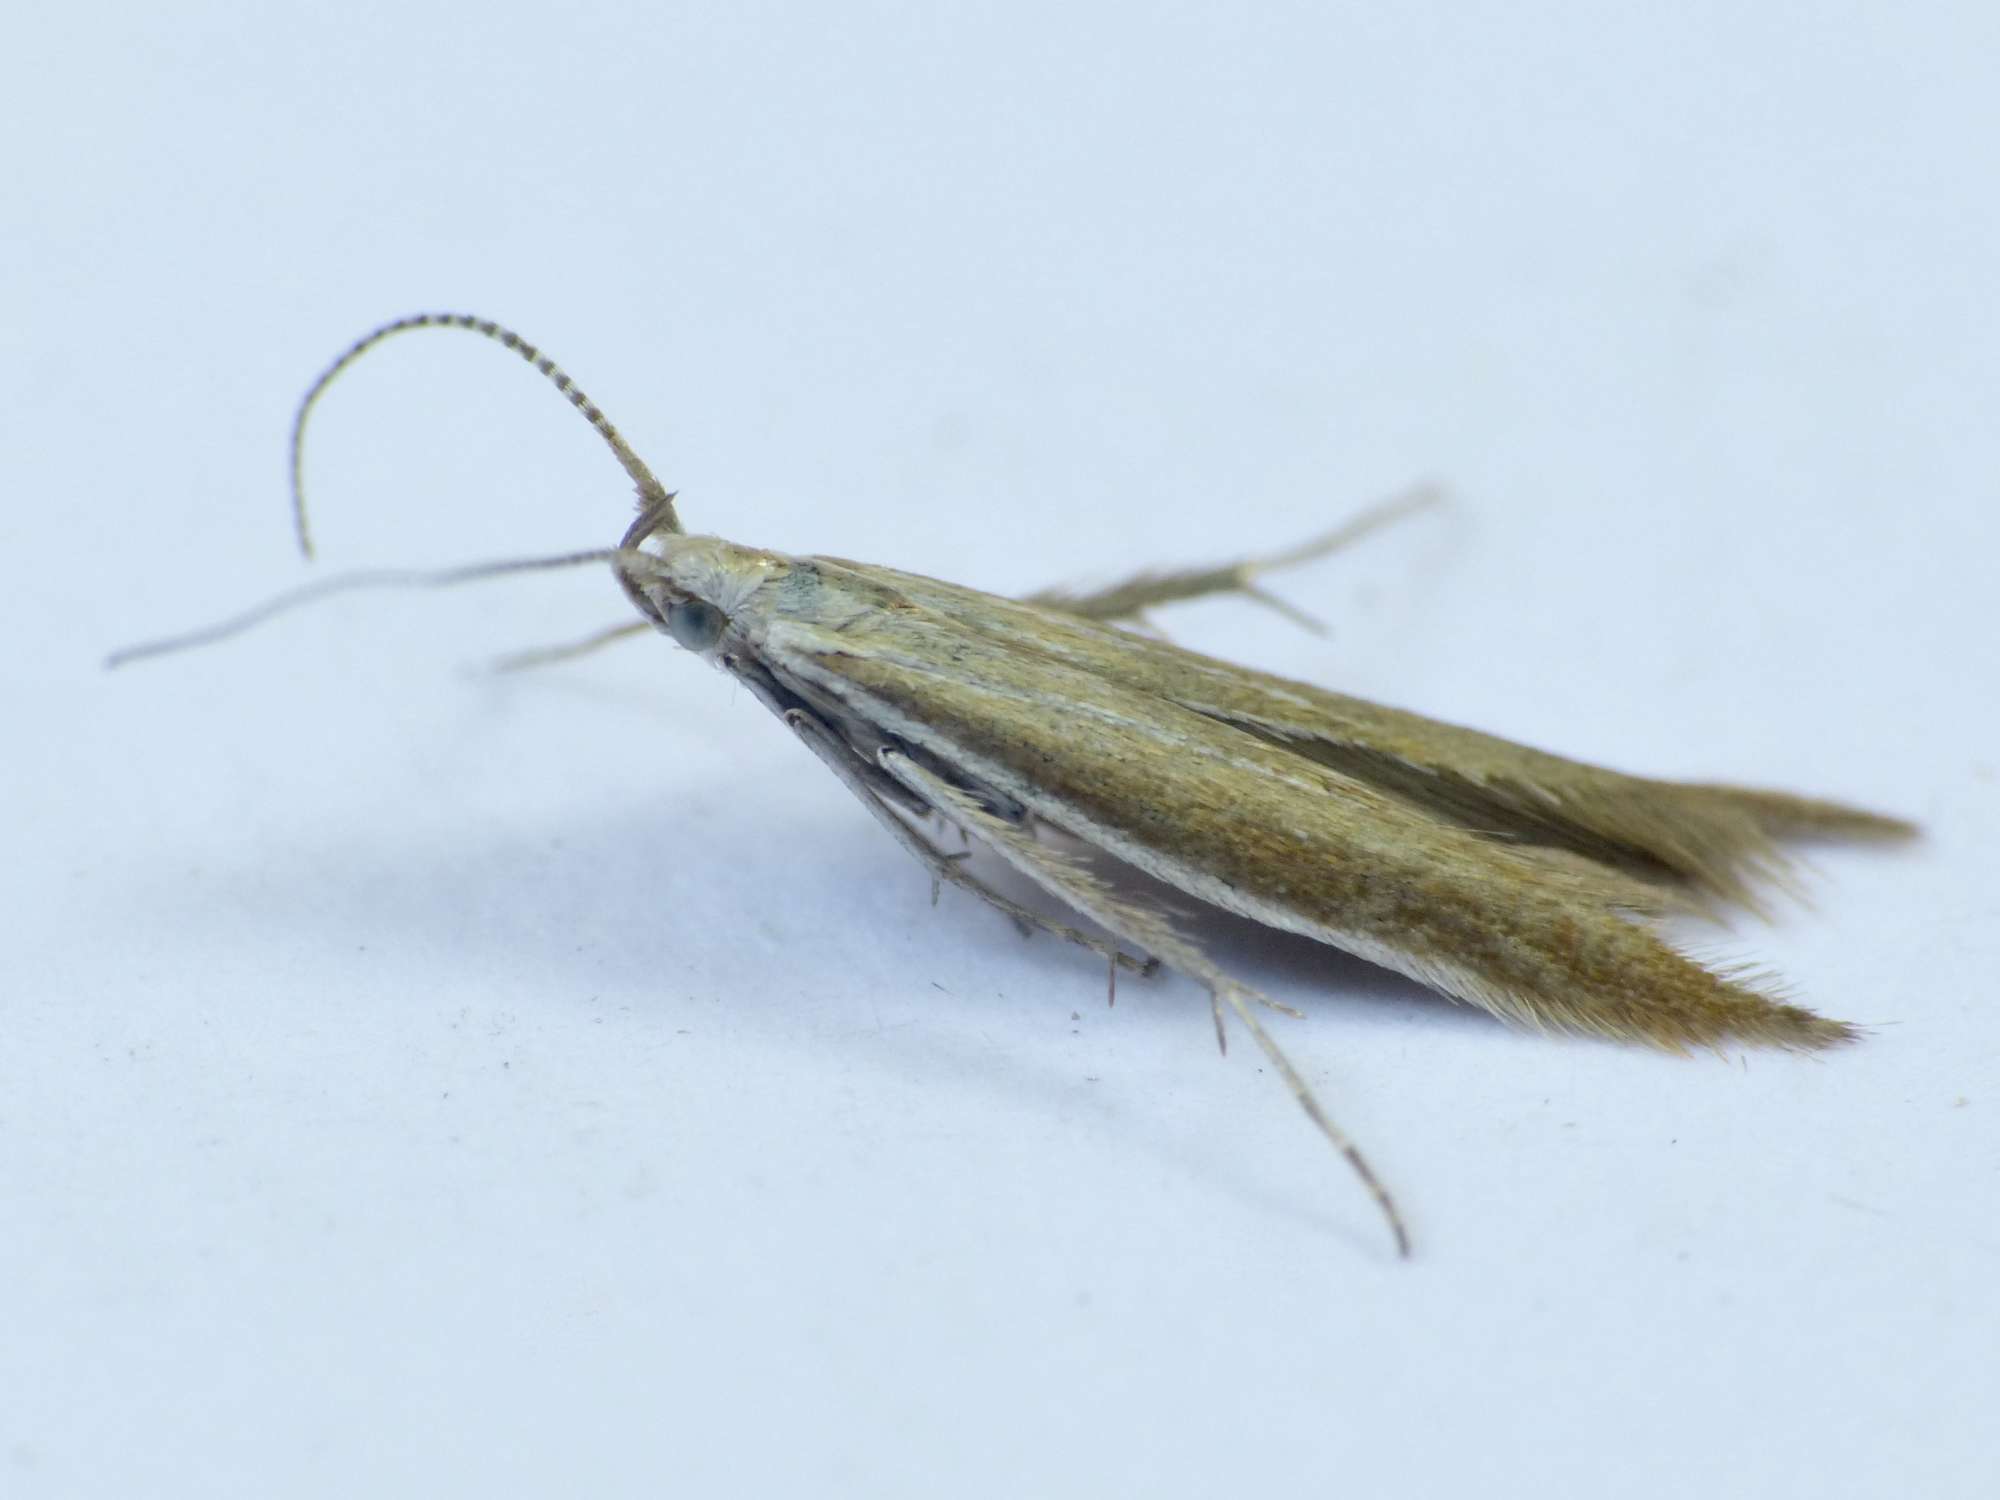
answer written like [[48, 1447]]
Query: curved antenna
[[654, 498]]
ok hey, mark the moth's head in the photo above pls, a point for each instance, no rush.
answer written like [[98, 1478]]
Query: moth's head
[[700, 590]]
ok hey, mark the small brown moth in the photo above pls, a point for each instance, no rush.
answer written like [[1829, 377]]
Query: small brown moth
[[1506, 877]]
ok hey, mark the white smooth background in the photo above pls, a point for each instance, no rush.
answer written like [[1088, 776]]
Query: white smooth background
[[419, 1082]]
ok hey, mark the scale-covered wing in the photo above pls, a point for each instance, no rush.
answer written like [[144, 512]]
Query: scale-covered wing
[[1232, 818], [1718, 841]]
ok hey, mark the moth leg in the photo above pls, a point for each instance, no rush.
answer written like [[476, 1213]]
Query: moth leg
[[1070, 881], [861, 779], [543, 656], [1131, 598]]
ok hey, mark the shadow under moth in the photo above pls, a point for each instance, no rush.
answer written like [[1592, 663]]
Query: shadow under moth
[[1508, 878]]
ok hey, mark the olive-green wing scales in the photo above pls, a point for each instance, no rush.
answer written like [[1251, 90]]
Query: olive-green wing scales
[[1719, 842], [1248, 825]]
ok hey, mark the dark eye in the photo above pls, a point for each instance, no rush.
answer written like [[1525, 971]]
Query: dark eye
[[694, 624]]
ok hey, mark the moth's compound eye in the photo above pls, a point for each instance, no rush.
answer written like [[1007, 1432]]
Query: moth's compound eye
[[695, 624]]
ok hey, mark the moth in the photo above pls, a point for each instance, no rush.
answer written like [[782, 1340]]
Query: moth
[[1070, 743]]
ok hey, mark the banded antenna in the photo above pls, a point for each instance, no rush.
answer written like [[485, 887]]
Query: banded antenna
[[656, 501]]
